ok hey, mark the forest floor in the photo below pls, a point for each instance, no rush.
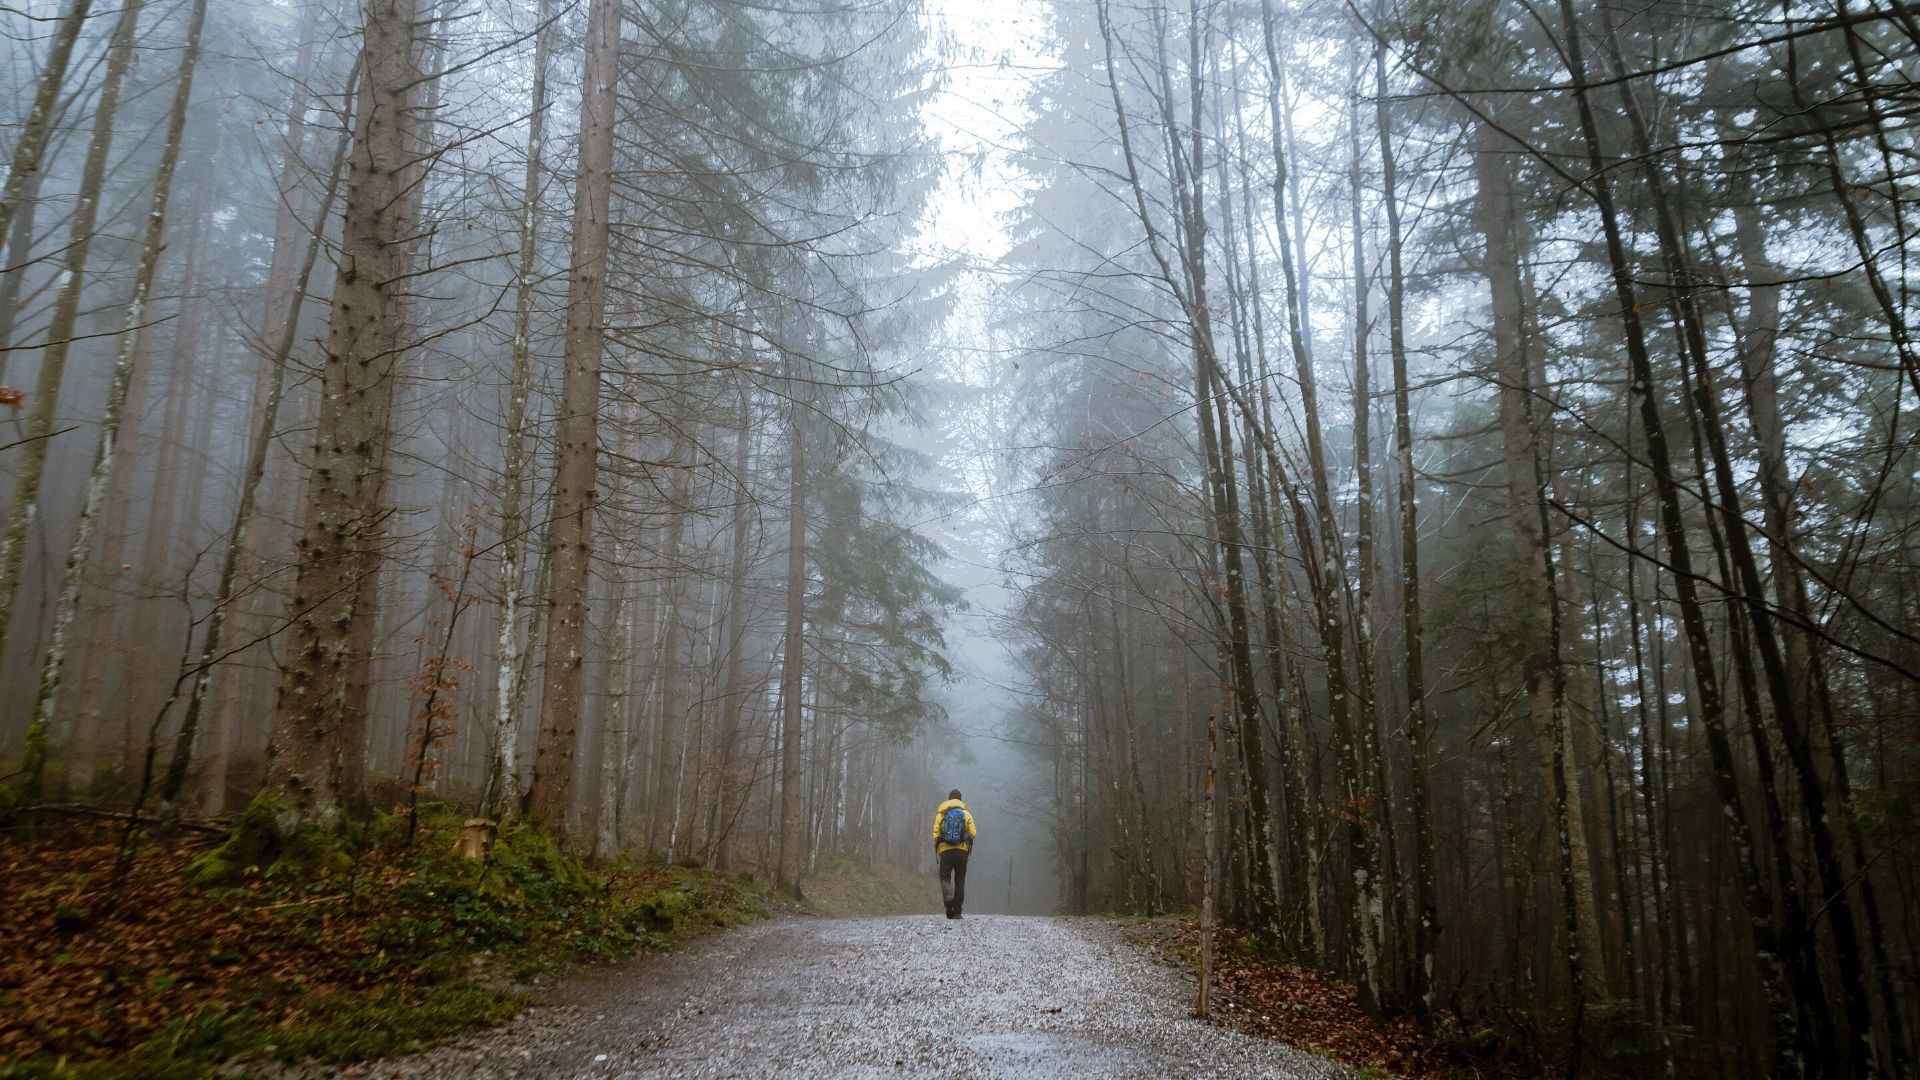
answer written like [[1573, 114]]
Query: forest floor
[[371, 946], [376, 946], [845, 889], [1276, 1000], [905, 996]]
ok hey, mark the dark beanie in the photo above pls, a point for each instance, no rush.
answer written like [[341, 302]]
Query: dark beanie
[[954, 794]]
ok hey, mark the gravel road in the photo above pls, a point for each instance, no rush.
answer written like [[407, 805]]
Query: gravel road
[[917, 996]]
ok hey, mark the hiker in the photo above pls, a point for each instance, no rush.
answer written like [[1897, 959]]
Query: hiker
[[953, 837]]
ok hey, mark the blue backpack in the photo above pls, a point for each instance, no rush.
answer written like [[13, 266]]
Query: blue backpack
[[953, 826]]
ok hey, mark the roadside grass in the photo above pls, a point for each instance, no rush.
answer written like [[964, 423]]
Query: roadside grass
[[356, 945]]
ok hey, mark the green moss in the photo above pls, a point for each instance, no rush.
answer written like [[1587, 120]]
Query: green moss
[[344, 1028], [23, 790], [662, 912], [256, 843], [70, 918]]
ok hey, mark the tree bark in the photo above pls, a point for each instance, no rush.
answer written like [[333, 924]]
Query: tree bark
[[570, 546], [24, 512], [720, 830], [310, 738], [1533, 560], [1788, 1050], [105, 457], [1362, 842], [1426, 927], [23, 173], [267, 424], [503, 787], [792, 824]]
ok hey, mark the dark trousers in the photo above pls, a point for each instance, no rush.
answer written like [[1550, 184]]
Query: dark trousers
[[953, 879]]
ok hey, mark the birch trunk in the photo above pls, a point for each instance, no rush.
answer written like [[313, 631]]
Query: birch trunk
[[24, 512], [105, 457], [503, 788], [23, 173]]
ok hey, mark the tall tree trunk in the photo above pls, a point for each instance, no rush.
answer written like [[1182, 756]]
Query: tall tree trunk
[[792, 823], [1533, 558], [1658, 859], [1380, 789], [1304, 852], [503, 787], [667, 677], [1362, 842], [24, 512], [1789, 707], [310, 738], [1788, 1049], [260, 445], [366, 632], [23, 173], [720, 829], [105, 457], [570, 546], [1426, 926]]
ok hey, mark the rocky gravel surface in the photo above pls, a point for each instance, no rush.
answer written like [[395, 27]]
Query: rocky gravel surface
[[916, 996]]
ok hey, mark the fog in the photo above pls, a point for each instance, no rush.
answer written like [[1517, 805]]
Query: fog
[[1478, 436]]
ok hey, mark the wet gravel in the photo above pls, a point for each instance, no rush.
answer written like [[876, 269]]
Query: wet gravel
[[916, 996]]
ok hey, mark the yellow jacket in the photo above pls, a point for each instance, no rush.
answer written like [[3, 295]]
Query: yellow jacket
[[967, 845]]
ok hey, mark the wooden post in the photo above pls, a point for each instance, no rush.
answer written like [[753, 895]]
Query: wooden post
[[1206, 881]]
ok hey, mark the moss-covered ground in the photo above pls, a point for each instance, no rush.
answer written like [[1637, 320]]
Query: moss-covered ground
[[348, 946]]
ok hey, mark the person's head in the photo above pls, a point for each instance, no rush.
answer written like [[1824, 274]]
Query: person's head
[[954, 794]]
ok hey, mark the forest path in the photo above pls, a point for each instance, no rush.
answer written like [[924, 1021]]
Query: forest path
[[912, 996]]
